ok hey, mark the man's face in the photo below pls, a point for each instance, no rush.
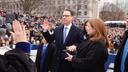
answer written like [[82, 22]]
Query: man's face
[[67, 18]]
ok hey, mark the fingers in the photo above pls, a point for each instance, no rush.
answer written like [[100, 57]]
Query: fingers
[[13, 36], [23, 28], [69, 58], [12, 33], [66, 58], [45, 22], [19, 34], [71, 48], [45, 26], [16, 26]]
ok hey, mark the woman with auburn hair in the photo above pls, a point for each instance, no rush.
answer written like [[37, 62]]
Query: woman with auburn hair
[[92, 53]]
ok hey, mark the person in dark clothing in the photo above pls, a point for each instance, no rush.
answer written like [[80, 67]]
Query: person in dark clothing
[[121, 61], [17, 60], [92, 53], [65, 35], [45, 56]]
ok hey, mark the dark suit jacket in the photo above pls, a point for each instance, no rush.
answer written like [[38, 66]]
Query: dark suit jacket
[[74, 37], [91, 57], [49, 59], [16, 60], [117, 65]]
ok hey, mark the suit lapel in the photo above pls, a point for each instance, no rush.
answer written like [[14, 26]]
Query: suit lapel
[[46, 54], [61, 35]]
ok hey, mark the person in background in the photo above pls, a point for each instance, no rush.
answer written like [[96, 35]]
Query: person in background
[[45, 56], [92, 53], [110, 47], [121, 60], [3, 47]]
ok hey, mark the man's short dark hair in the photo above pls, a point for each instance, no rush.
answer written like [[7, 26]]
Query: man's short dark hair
[[71, 12]]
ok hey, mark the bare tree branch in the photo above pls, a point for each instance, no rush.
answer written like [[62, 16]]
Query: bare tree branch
[[29, 5], [111, 12]]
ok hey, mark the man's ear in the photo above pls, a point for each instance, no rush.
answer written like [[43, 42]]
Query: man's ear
[[73, 18]]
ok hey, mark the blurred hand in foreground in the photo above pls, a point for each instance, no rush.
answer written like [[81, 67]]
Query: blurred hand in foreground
[[19, 34]]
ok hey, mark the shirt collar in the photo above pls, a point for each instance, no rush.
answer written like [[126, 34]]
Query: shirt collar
[[45, 45], [68, 26]]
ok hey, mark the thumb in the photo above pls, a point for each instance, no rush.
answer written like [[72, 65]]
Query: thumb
[[13, 34]]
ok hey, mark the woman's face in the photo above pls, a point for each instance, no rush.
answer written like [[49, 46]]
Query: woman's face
[[89, 29]]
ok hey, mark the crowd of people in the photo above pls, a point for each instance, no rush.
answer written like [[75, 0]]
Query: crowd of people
[[33, 25], [64, 44], [115, 36]]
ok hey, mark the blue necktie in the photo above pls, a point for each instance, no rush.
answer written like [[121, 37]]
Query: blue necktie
[[125, 52], [43, 58], [64, 34]]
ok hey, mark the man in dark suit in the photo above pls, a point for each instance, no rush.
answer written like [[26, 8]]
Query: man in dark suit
[[66, 36], [45, 56], [121, 61]]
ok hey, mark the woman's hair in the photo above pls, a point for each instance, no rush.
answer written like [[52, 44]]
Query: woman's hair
[[84, 30], [100, 30]]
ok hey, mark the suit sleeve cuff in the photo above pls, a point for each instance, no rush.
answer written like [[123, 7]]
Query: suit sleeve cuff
[[25, 46]]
